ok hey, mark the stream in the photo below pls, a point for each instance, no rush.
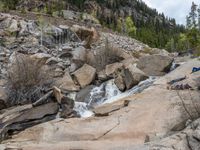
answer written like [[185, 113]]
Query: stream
[[111, 94]]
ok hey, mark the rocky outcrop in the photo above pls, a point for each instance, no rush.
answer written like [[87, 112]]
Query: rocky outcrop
[[85, 75], [155, 65]]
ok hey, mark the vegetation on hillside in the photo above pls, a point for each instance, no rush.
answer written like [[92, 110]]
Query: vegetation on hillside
[[190, 40], [153, 28], [142, 23]]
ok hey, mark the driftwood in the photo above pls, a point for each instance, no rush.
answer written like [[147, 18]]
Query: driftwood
[[22, 117], [43, 99]]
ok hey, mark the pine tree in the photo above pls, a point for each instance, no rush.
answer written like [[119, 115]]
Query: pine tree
[[188, 22], [198, 17], [193, 15]]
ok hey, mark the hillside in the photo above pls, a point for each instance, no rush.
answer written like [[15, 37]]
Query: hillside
[[152, 28]]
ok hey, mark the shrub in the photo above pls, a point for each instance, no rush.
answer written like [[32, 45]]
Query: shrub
[[104, 56], [27, 80]]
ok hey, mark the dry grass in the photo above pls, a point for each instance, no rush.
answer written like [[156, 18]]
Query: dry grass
[[27, 80], [104, 56], [147, 50], [136, 54]]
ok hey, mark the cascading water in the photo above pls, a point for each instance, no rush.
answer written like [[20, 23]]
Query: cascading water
[[108, 93]]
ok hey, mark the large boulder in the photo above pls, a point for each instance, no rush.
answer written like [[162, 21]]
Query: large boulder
[[85, 75], [155, 65], [132, 76], [112, 68], [66, 83]]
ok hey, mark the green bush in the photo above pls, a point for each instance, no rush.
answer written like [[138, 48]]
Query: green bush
[[130, 27]]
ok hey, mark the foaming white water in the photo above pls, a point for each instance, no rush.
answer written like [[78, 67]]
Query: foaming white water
[[110, 94], [136, 89], [82, 109], [105, 91]]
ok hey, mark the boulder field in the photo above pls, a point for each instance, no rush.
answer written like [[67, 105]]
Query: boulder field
[[157, 118]]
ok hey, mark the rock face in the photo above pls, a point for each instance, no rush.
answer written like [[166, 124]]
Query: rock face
[[155, 65], [85, 75]]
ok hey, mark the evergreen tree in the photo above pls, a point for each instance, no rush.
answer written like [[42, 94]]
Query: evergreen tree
[[193, 15], [188, 22], [199, 17]]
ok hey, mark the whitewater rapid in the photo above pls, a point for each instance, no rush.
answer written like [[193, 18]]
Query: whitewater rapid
[[112, 94]]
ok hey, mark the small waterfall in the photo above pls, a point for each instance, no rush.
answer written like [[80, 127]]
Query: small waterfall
[[104, 92], [109, 93], [56, 38], [174, 66], [82, 109], [136, 89]]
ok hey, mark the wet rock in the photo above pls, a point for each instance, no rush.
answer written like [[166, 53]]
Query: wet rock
[[85, 75], [155, 65], [119, 81], [84, 94]]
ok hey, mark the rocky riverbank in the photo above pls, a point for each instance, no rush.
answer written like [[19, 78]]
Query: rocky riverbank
[[52, 76]]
